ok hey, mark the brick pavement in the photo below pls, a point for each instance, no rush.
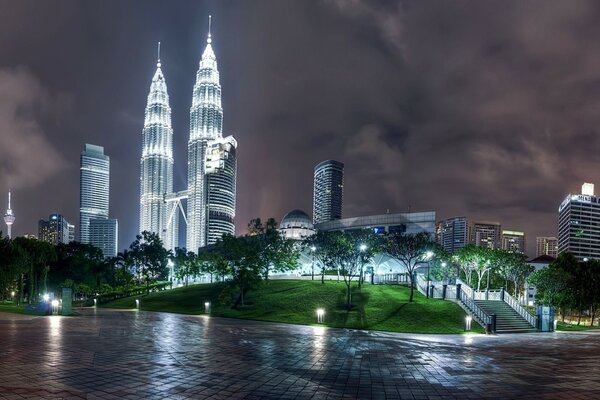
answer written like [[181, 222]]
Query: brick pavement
[[106, 354]]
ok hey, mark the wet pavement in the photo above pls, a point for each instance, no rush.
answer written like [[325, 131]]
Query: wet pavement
[[108, 354]]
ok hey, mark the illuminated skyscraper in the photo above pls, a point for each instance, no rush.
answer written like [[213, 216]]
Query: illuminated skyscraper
[[486, 234], [211, 160], [328, 193], [56, 230], [513, 241], [9, 218], [93, 189], [156, 178], [453, 233], [579, 224]]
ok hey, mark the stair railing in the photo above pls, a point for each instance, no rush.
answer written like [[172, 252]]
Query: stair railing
[[469, 303], [522, 311]]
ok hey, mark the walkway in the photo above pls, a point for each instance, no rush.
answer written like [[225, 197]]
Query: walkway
[[140, 355]]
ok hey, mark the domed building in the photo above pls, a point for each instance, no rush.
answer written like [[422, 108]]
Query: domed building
[[296, 225]]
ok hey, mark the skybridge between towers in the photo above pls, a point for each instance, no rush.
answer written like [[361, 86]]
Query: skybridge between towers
[[173, 200]]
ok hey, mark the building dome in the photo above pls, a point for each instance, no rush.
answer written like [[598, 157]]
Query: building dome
[[296, 225]]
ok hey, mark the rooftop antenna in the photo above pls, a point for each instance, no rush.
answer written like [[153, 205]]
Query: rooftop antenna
[[158, 63], [209, 40]]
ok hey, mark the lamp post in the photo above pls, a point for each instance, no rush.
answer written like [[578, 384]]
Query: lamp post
[[170, 264], [312, 251], [428, 257], [362, 248]]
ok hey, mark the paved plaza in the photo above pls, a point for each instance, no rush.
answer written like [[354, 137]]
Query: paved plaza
[[108, 354]]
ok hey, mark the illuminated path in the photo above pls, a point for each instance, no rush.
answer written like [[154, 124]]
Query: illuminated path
[[139, 355]]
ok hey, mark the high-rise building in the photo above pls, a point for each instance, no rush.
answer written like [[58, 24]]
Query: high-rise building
[[513, 241], [485, 234], [453, 233], [328, 192], [55, 230], [206, 138], [220, 184], [156, 179], [94, 188], [9, 218], [546, 246], [579, 224], [104, 235]]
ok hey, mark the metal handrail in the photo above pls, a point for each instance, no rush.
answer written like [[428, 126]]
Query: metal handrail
[[469, 302], [514, 304]]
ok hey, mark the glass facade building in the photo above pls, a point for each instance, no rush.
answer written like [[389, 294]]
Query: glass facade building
[[579, 225], [56, 230], [453, 233], [94, 188], [104, 235], [156, 165], [328, 192], [212, 163]]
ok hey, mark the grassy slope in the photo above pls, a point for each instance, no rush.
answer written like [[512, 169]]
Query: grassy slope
[[378, 307], [565, 327]]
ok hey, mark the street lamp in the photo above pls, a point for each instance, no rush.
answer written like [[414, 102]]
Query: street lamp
[[312, 250], [428, 257], [362, 248]]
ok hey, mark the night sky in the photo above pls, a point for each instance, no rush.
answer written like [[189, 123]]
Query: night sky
[[484, 109]]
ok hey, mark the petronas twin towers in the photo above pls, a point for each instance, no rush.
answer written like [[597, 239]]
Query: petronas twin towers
[[212, 163]]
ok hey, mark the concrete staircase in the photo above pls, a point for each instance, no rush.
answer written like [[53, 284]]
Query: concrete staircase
[[507, 319]]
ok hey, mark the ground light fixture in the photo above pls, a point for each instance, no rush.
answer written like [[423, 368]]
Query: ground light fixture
[[207, 307], [55, 306], [137, 304], [320, 315], [95, 302], [468, 320]]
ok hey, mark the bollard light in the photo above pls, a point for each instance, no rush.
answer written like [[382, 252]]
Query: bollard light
[[207, 307], [95, 302], [555, 324], [12, 294], [46, 297], [54, 307], [320, 315], [137, 304], [468, 320]]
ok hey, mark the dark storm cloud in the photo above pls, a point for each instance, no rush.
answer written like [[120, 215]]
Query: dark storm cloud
[[484, 109]]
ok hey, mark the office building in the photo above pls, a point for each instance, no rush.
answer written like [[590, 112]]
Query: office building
[[328, 192], [579, 224], [94, 188], [485, 234], [55, 230], [453, 233], [409, 223], [513, 241], [104, 235], [545, 245], [213, 182], [156, 176]]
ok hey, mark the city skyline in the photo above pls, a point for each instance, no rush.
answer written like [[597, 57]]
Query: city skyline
[[380, 125]]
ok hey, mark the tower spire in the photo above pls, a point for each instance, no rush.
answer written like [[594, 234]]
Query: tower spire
[[158, 62], [9, 218], [209, 40]]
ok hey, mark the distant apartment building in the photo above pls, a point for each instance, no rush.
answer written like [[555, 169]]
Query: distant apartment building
[[485, 234], [328, 193], [579, 224], [408, 223], [546, 245], [56, 230], [513, 241], [453, 233], [104, 235]]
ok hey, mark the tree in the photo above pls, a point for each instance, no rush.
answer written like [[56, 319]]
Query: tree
[[40, 255], [241, 257], [409, 250], [316, 246], [275, 253], [82, 263], [343, 251], [476, 259], [150, 257]]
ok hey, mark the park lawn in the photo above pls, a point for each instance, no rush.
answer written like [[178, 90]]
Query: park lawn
[[566, 327], [376, 307], [10, 307]]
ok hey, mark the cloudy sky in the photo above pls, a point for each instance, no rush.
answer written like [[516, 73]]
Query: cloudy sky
[[485, 109]]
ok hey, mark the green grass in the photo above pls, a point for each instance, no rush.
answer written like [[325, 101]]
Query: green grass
[[566, 327], [376, 307], [11, 307]]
